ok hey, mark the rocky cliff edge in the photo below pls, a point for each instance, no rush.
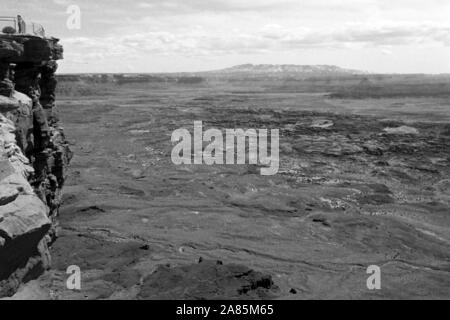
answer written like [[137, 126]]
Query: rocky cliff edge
[[34, 155]]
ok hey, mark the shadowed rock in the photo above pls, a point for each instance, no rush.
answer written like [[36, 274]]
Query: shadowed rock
[[208, 280]]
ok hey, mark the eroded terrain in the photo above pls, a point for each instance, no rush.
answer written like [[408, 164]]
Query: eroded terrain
[[357, 186]]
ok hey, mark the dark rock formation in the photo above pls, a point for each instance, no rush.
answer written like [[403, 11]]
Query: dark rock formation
[[34, 155], [208, 280]]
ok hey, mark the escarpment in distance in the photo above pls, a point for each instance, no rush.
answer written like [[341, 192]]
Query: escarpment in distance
[[34, 155]]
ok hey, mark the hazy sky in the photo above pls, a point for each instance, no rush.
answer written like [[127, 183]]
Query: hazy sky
[[402, 36]]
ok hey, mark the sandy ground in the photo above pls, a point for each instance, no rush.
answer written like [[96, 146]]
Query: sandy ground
[[346, 197]]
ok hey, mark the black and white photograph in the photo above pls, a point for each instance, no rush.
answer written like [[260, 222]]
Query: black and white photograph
[[224, 155]]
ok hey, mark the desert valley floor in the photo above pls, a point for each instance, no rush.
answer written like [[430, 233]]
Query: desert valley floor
[[357, 186]]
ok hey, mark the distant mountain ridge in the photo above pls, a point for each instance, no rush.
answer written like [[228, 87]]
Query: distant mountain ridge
[[280, 69]]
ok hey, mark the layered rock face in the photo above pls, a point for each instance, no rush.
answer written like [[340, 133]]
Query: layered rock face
[[34, 155]]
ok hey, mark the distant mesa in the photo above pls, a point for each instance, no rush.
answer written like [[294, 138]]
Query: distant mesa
[[290, 68]]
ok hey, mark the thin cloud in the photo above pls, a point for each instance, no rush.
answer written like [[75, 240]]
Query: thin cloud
[[195, 41]]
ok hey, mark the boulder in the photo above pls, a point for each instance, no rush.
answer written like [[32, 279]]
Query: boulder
[[25, 215]]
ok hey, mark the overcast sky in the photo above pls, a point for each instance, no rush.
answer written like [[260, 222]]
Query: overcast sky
[[398, 36]]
